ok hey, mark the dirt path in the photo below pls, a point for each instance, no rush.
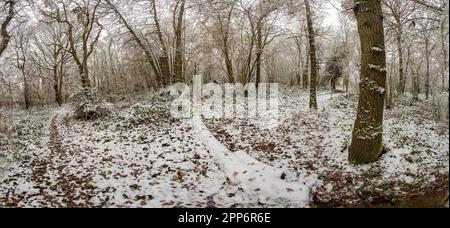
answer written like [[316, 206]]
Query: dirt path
[[58, 187]]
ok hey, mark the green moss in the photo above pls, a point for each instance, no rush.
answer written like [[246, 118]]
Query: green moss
[[416, 152]]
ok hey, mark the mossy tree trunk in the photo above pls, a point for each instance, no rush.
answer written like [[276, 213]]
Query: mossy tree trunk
[[367, 140]]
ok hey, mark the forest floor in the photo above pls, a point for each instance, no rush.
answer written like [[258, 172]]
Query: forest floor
[[141, 157]]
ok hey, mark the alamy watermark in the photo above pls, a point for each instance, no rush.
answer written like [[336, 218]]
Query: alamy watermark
[[230, 101]]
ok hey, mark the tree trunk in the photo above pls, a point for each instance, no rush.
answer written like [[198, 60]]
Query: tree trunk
[[85, 82], [333, 84], [389, 89], [415, 86], [401, 74], [313, 58], [347, 76], [56, 83], [427, 79], [367, 142], [26, 96], [179, 77], [225, 33], [347, 64], [306, 70], [163, 60], [408, 64], [228, 61], [300, 62], [258, 52], [444, 66], [60, 86], [390, 85]]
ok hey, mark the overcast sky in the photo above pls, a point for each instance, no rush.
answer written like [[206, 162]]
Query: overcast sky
[[332, 14]]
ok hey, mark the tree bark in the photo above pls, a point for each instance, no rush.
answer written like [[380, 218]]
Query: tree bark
[[313, 58], [401, 71], [427, 77], [444, 46], [59, 95], [56, 85], [179, 77], [258, 52], [415, 87], [306, 70], [164, 59], [225, 40], [26, 95], [367, 142]]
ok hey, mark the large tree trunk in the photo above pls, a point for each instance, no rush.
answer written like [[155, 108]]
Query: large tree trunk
[[313, 58], [367, 143], [85, 82]]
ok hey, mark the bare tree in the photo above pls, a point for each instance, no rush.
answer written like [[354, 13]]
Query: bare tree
[[21, 47], [426, 29], [164, 60], [83, 32], [397, 18], [142, 42], [222, 14], [52, 56]]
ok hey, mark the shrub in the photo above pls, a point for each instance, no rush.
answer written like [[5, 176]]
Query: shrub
[[4, 126], [140, 113], [91, 111], [88, 106]]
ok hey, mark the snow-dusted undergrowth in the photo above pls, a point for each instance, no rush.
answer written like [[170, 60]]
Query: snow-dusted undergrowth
[[141, 157]]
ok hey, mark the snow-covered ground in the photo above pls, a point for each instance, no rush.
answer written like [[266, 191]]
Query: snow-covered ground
[[141, 157]]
